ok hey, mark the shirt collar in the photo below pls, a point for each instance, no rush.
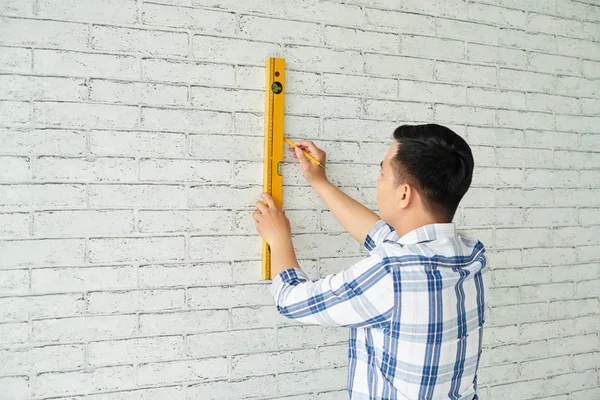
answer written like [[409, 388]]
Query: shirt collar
[[427, 233]]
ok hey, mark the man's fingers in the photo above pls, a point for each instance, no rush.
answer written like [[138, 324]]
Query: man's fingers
[[312, 148], [302, 158], [262, 207], [256, 215], [270, 200]]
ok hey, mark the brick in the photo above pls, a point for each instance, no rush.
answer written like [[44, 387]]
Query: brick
[[42, 88], [400, 21], [119, 196], [169, 275], [431, 92], [83, 328], [47, 141], [574, 273], [577, 47], [327, 106], [42, 195], [473, 32], [553, 64], [573, 344], [14, 225], [137, 143], [584, 124], [181, 371], [589, 215], [49, 280], [85, 115], [88, 222], [590, 68], [141, 248], [229, 296], [398, 66], [575, 86], [135, 350], [554, 25], [185, 221], [41, 33], [230, 389], [569, 159], [553, 291], [360, 40], [267, 29], [76, 381], [14, 59], [498, 373], [193, 72], [494, 136], [513, 314], [360, 86], [185, 120], [497, 55], [465, 73], [42, 252], [394, 110], [14, 281], [227, 99], [296, 82], [428, 47], [497, 176], [215, 147], [224, 248], [231, 50], [78, 169], [14, 333], [590, 106], [15, 112], [224, 196], [583, 362], [185, 170], [289, 361], [16, 309], [525, 80], [515, 157], [324, 379], [496, 98], [587, 289], [137, 300], [85, 64], [550, 139], [551, 178], [523, 237], [230, 342], [199, 20], [95, 10], [497, 15], [497, 216], [172, 392], [576, 197], [183, 322], [550, 103], [577, 235], [476, 197], [524, 197], [47, 358], [14, 169], [460, 115], [137, 93], [518, 277], [550, 216], [139, 41], [527, 40], [543, 368], [17, 7]]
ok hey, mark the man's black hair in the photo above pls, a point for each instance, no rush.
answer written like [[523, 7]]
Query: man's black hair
[[437, 163]]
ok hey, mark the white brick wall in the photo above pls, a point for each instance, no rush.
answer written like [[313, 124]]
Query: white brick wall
[[131, 140]]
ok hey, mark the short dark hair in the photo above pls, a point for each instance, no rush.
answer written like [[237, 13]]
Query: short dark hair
[[437, 163]]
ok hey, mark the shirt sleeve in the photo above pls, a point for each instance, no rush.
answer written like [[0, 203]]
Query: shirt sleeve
[[379, 232], [361, 296]]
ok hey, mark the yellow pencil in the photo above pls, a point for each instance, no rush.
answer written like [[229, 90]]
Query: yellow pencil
[[311, 158]]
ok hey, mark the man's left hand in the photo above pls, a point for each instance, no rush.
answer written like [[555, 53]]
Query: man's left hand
[[271, 223]]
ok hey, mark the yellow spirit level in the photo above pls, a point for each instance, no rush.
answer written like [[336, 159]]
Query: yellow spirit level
[[273, 182]]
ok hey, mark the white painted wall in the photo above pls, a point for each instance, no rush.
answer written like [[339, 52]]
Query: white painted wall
[[131, 139]]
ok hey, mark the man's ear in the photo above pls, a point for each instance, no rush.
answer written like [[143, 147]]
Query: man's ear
[[404, 195]]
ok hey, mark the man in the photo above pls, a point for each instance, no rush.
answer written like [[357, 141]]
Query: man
[[416, 306]]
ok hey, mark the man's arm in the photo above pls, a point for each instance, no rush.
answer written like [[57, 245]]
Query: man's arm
[[354, 217]]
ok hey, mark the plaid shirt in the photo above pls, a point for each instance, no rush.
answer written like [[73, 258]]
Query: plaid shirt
[[415, 308]]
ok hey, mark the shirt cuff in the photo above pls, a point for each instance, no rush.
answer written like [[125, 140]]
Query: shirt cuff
[[290, 276], [376, 234]]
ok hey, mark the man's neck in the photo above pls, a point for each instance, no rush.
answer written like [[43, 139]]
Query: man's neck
[[407, 224]]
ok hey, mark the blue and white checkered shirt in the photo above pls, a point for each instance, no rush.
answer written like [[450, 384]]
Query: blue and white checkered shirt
[[415, 308]]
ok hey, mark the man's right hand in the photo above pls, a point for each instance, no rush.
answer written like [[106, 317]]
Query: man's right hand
[[312, 172]]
